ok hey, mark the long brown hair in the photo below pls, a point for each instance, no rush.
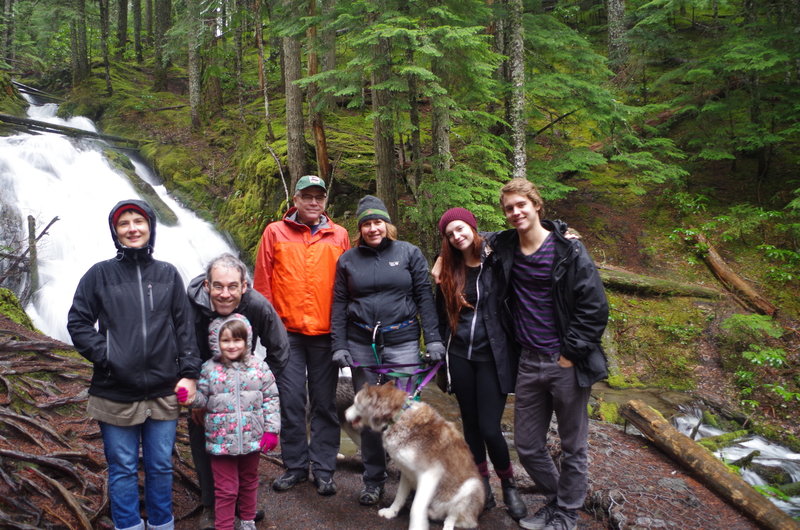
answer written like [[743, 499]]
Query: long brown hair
[[453, 277]]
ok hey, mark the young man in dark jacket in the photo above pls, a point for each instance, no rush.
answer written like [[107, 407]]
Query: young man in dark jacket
[[559, 311], [143, 352], [223, 290]]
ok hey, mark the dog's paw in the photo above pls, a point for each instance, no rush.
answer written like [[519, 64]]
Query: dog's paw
[[387, 513]]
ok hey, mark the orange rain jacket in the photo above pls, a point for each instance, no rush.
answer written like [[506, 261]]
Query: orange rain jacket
[[295, 270]]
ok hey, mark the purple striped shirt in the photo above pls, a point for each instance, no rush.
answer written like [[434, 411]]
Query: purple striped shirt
[[534, 314]]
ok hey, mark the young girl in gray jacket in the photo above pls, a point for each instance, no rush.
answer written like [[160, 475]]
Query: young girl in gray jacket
[[239, 394]]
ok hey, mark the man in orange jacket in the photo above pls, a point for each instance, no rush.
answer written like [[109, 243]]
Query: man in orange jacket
[[295, 269]]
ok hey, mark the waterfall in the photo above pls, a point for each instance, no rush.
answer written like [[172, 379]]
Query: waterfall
[[49, 175], [771, 454]]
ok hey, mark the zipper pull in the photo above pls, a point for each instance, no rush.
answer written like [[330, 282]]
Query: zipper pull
[[150, 295]]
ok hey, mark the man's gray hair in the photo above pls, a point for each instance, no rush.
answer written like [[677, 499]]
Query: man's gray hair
[[228, 261]]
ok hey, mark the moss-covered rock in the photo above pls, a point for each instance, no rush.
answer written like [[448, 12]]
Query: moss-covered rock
[[10, 307], [10, 100]]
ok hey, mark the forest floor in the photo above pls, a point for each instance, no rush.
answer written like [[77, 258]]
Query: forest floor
[[632, 483]]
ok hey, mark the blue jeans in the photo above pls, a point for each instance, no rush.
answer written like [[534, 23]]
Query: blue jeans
[[372, 453], [121, 446]]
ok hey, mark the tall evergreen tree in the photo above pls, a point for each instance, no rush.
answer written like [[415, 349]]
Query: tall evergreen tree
[[295, 130], [80, 54]]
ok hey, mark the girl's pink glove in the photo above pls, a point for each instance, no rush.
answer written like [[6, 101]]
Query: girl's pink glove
[[268, 442], [182, 393]]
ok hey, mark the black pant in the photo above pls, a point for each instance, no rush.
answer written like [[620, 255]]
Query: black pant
[[202, 464], [477, 389]]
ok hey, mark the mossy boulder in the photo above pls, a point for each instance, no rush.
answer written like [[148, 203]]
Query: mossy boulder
[[11, 308]]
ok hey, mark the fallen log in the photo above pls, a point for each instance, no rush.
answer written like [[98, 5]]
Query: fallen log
[[710, 470], [629, 282], [732, 281], [43, 126]]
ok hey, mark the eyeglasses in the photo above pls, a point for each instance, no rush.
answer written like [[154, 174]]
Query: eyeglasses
[[308, 197], [232, 288]]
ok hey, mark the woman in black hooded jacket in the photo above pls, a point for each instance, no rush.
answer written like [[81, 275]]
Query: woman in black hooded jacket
[[144, 353]]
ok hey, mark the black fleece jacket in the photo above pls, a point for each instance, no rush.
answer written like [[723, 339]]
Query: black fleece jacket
[[382, 286], [144, 342]]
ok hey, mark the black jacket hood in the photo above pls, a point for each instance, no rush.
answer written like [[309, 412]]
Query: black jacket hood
[[151, 217]]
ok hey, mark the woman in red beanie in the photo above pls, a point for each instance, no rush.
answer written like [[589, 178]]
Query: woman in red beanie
[[481, 361]]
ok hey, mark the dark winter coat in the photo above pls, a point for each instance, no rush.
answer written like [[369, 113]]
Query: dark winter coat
[[382, 286], [145, 340], [267, 325], [505, 352], [581, 308]]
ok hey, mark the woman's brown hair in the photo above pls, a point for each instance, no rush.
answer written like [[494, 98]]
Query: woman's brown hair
[[453, 277]]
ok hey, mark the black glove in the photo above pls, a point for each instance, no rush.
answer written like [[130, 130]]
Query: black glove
[[342, 358], [434, 352]]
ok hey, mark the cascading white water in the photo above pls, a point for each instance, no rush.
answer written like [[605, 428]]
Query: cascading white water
[[49, 175], [771, 454]]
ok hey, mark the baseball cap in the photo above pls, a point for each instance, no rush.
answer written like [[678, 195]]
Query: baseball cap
[[307, 181]]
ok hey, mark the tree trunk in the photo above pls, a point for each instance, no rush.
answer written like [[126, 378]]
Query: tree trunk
[[638, 284], [192, 37], [104, 31], [136, 8], [732, 281], [314, 103], [241, 13], [295, 134], [328, 44], [383, 133], [161, 25], [122, 27], [262, 76], [416, 127], [617, 47], [7, 37], [148, 22], [516, 63], [702, 462], [80, 58]]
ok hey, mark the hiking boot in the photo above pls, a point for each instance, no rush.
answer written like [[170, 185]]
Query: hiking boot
[[288, 480], [490, 502], [325, 486], [259, 515], [516, 508], [562, 520], [370, 494], [542, 516]]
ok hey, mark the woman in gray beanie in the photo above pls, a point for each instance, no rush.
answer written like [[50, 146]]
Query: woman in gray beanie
[[382, 299]]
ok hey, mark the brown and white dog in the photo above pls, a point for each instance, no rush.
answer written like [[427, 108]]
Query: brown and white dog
[[431, 454]]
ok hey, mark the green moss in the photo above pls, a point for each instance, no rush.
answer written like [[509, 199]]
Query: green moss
[[10, 100], [714, 443], [10, 307], [609, 412], [710, 418]]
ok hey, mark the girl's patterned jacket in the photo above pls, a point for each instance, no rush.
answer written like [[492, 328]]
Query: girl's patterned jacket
[[240, 398]]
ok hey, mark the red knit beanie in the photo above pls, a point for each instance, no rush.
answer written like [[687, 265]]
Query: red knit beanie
[[127, 208], [457, 214]]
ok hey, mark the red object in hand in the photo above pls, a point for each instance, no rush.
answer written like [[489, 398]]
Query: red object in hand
[[268, 442], [182, 393]]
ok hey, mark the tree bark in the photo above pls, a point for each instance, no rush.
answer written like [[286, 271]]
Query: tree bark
[[702, 462], [104, 30], [122, 27], [7, 37], [617, 47], [192, 37], [80, 56], [148, 22], [516, 63], [136, 9], [295, 134], [383, 129], [328, 44], [314, 103], [161, 25], [262, 75], [732, 281]]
